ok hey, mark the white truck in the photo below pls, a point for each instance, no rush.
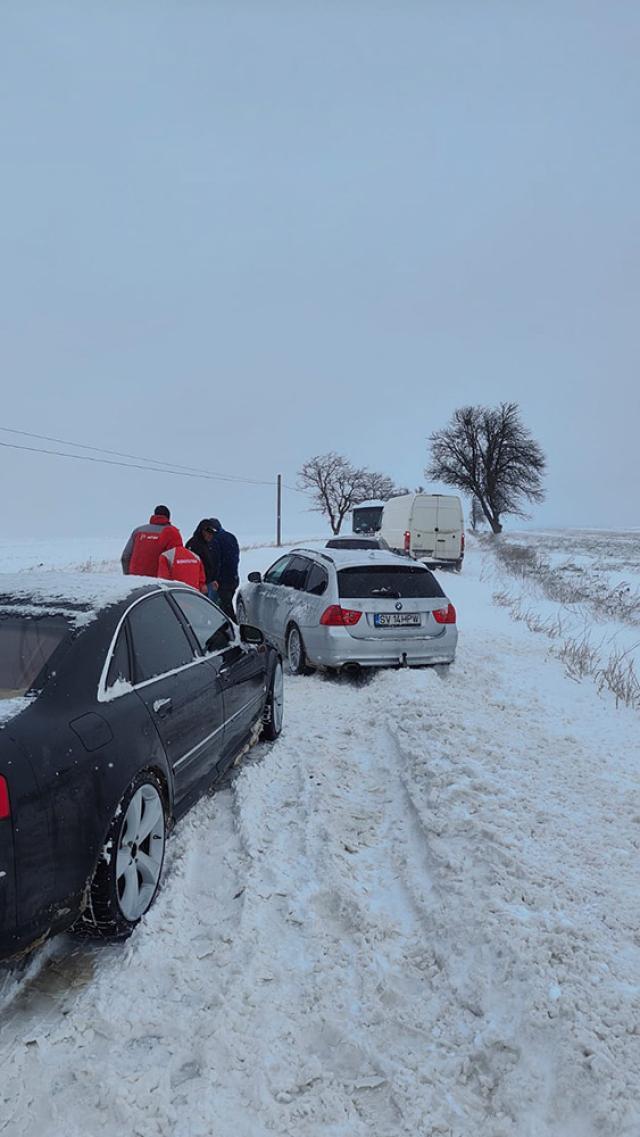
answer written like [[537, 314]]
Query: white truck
[[427, 527]]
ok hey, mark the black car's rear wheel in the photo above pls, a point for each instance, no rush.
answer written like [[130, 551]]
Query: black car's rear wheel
[[128, 873]]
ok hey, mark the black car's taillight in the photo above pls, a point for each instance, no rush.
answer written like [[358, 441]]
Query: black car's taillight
[[5, 805]]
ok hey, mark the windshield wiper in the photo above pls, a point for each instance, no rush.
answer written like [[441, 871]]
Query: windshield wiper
[[392, 592]]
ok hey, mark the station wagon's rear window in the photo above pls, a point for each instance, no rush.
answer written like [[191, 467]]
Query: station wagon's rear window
[[26, 645], [375, 582]]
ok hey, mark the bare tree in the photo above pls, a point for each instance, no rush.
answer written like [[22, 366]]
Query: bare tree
[[489, 453], [337, 486], [378, 487], [477, 516]]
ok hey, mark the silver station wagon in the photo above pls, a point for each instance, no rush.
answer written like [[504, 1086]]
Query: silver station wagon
[[347, 609]]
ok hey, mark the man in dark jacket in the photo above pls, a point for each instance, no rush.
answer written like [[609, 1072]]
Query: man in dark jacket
[[142, 551], [202, 543], [229, 556]]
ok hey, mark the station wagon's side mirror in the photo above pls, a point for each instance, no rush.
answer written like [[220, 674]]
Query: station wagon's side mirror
[[251, 635], [255, 578]]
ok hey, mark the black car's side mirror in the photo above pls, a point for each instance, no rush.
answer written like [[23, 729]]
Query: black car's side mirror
[[251, 635], [255, 578]]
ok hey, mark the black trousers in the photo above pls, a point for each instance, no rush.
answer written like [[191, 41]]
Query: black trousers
[[226, 594]]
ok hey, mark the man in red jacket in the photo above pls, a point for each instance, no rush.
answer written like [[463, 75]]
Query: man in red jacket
[[183, 565], [142, 551]]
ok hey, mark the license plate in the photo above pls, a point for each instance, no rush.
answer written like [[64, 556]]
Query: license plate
[[396, 619]]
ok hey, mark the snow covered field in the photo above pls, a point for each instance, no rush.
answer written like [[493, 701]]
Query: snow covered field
[[416, 913]]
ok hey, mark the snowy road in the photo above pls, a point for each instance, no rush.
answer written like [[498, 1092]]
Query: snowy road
[[414, 914]]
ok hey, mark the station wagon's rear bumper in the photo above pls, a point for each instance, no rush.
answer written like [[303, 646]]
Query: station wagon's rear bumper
[[334, 647]]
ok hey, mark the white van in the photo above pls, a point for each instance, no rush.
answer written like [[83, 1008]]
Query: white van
[[427, 527]]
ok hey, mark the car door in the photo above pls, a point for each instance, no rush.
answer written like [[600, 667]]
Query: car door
[[240, 668], [309, 608], [181, 691], [266, 606], [289, 596]]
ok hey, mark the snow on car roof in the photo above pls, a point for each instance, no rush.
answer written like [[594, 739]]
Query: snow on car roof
[[345, 558], [78, 595], [368, 504]]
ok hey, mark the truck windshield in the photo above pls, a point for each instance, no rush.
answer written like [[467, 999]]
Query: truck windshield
[[380, 582], [26, 645], [368, 519]]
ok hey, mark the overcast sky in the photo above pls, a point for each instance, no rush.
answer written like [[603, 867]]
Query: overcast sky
[[234, 235]]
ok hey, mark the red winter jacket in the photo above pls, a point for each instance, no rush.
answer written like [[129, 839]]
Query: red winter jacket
[[142, 551], [183, 565]]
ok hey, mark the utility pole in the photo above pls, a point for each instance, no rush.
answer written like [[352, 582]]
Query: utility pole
[[279, 511]]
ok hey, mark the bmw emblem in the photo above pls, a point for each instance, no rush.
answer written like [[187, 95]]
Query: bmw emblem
[[398, 607]]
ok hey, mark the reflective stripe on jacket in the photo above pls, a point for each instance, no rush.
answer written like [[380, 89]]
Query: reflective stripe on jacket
[[183, 565]]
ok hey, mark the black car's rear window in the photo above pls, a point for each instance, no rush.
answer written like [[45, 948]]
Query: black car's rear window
[[377, 581], [26, 645]]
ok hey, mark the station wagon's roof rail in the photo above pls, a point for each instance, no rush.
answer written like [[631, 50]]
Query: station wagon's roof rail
[[316, 553]]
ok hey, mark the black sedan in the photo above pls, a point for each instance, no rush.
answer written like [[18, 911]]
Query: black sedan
[[120, 702]]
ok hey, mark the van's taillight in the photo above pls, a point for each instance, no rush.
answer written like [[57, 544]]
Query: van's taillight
[[445, 615], [461, 544], [407, 541], [336, 617], [5, 808]]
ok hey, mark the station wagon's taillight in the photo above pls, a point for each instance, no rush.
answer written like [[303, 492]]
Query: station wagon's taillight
[[445, 615], [336, 617], [5, 807]]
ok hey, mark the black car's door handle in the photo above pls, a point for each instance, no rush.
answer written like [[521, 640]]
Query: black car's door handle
[[163, 707]]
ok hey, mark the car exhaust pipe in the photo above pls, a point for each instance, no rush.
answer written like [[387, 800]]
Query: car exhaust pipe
[[353, 670]]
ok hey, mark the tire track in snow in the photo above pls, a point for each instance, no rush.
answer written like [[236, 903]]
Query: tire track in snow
[[510, 814]]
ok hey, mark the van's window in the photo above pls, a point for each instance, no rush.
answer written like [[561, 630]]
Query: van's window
[[317, 581], [379, 581], [368, 519], [26, 645]]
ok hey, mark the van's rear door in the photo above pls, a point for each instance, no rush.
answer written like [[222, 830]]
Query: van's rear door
[[424, 519], [448, 544]]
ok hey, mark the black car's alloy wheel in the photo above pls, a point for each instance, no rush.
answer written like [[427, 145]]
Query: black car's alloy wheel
[[128, 873], [274, 705]]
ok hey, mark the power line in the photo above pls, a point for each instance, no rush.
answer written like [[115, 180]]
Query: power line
[[135, 465], [166, 467]]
